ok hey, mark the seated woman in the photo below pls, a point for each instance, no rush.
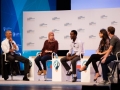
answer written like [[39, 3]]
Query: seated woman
[[50, 45], [103, 46]]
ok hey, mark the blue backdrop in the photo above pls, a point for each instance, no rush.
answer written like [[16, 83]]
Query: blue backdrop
[[12, 16]]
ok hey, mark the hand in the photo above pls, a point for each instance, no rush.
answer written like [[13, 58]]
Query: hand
[[103, 59], [69, 58], [12, 50], [46, 51], [40, 53], [99, 53], [10, 39]]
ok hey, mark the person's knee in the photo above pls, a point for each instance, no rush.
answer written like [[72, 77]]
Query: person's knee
[[73, 62], [36, 59], [62, 60]]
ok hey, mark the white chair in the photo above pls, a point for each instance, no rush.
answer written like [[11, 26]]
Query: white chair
[[7, 61], [41, 65]]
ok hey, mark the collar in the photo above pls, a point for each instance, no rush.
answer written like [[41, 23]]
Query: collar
[[75, 41], [7, 39]]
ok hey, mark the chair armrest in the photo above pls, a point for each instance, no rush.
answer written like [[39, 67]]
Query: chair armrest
[[38, 53], [117, 55], [5, 56]]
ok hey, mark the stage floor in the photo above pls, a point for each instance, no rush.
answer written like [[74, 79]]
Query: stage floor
[[18, 84]]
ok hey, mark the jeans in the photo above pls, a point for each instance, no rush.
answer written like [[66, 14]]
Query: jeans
[[43, 60]]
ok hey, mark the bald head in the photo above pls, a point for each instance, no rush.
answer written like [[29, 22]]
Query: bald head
[[8, 34]]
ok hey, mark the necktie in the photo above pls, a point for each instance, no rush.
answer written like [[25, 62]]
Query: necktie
[[10, 45], [11, 48]]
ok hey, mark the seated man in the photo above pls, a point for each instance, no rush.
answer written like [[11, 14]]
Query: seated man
[[9, 47], [107, 58], [76, 49]]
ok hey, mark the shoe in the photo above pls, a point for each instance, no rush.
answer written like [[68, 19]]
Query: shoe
[[25, 79], [14, 73], [40, 72], [69, 73], [44, 71], [97, 78], [74, 79], [104, 82], [83, 69]]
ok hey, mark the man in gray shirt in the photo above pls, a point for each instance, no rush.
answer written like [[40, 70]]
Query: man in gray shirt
[[107, 58]]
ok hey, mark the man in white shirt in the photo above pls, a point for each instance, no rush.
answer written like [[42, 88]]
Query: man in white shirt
[[76, 50], [9, 47]]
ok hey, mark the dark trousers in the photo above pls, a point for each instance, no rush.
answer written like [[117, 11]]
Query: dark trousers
[[43, 60], [105, 69], [73, 63], [22, 59], [94, 58]]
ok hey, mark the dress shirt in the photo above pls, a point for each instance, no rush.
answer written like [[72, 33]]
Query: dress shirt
[[76, 48], [6, 46]]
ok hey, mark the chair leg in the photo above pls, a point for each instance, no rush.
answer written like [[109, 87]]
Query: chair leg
[[11, 72], [18, 67]]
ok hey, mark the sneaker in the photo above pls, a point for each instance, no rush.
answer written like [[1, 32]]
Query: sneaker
[[104, 82]]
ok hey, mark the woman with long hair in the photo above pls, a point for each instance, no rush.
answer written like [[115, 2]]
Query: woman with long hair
[[50, 45], [103, 46]]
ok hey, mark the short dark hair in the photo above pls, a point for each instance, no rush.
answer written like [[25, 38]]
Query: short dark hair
[[111, 30], [7, 31], [75, 32]]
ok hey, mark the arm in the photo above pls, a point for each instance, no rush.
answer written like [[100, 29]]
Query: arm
[[15, 46], [69, 52], [80, 51], [44, 46], [112, 44], [107, 45], [56, 47], [4, 47]]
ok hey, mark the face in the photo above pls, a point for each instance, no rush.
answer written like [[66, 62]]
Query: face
[[72, 35], [8, 34], [100, 34], [51, 36], [108, 33]]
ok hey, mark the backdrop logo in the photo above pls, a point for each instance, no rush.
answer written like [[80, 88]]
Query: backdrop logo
[[30, 31], [92, 36], [55, 18], [43, 25], [16, 34], [67, 37], [92, 23], [56, 64], [55, 30], [114, 23], [81, 17], [19, 45], [30, 19], [42, 37], [80, 30], [103, 17], [67, 24], [7, 28], [30, 44]]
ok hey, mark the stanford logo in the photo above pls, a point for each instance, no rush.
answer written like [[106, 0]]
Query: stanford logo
[[56, 65]]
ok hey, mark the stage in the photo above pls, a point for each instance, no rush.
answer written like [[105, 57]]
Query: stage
[[18, 84]]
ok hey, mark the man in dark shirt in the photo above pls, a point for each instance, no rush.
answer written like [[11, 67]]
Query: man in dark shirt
[[107, 58]]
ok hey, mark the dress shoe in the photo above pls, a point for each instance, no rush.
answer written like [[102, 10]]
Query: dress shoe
[[69, 73], [74, 79], [25, 79]]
